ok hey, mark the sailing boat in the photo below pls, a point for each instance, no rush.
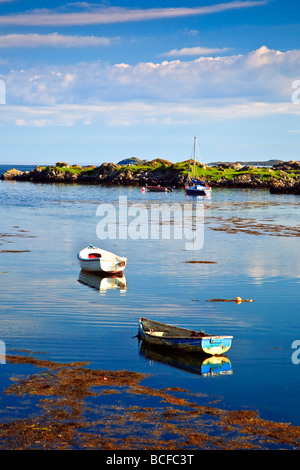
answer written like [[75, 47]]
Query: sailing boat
[[199, 188]]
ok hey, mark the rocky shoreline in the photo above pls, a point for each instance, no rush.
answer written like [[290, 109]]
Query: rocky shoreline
[[283, 177]]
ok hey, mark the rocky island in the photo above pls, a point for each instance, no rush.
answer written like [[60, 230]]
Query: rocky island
[[280, 177]]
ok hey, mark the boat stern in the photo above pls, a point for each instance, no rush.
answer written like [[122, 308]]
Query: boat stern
[[216, 345], [113, 266]]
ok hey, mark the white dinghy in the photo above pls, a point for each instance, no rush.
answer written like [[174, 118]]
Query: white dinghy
[[95, 259]]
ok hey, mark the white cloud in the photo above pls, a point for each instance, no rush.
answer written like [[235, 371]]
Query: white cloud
[[195, 51], [106, 15], [53, 40], [264, 56], [261, 75], [254, 84]]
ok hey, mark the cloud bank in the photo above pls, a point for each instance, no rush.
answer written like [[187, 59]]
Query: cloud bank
[[254, 84]]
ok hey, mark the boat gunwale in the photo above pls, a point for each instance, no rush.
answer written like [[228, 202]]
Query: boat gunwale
[[207, 336], [196, 335], [114, 258]]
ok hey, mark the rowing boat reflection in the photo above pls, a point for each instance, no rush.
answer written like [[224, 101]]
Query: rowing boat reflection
[[105, 282], [194, 363]]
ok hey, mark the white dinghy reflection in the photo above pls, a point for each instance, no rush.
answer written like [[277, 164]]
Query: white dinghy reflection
[[103, 282]]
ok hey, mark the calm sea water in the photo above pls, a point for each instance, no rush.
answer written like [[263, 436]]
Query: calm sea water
[[250, 238]]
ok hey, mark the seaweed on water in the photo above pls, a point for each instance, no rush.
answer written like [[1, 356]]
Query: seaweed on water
[[72, 412], [251, 226], [201, 262], [14, 251], [236, 300]]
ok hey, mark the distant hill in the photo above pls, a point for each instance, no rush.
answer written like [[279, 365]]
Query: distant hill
[[132, 161], [251, 163], [268, 163]]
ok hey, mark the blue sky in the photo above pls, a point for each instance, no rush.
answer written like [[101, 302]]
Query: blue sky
[[92, 82]]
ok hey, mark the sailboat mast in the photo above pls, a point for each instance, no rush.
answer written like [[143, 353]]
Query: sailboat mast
[[194, 156]]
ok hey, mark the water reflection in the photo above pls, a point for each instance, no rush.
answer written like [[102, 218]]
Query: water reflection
[[102, 283], [194, 363], [252, 259]]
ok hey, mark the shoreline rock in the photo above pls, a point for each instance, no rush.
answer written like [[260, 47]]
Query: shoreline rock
[[163, 173], [12, 174], [288, 186]]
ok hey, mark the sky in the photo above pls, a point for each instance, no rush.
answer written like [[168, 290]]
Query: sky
[[100, 81]]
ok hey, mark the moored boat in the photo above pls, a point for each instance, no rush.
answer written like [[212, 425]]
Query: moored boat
[[161, 189], [160, 334], [93, 259], [198, 188]]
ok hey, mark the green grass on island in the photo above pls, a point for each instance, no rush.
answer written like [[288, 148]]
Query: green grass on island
[[212, 173]]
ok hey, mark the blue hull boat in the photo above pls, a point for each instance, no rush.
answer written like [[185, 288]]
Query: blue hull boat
[[163, 335], [199, 188]]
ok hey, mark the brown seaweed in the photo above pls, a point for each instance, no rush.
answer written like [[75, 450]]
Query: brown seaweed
[[72, 413]]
